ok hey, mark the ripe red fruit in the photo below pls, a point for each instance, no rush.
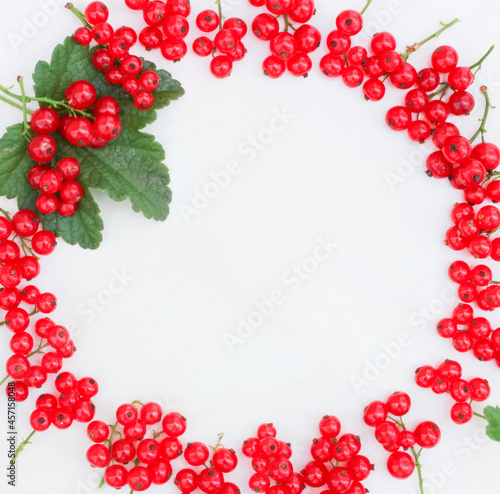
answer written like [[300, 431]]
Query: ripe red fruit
[[400, 465]]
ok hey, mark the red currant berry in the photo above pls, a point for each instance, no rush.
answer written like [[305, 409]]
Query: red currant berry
[[221, 66], [42, 148], [444, 59], [400, 465], [332, 65], [143, 99], [203, 46]]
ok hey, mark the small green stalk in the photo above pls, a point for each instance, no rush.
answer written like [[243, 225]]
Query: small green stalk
[[219, 8], [479, 415], [416, 46], [479, 63], [419, 469], [482, 128], [27, 128], [365, 8], [4, 379], [15, 105], [79, 14], [49, 101], [22, 446], [5, 213]]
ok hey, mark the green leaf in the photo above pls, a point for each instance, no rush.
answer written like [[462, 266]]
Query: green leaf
[[83, 228], [492, 415], [71, 62], [15, 163], [130, 167]]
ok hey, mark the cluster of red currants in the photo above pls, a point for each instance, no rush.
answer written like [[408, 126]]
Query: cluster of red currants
[[210, 479], [271, 462], [19, 262], [475, 285], [226, 47], [288, 51], [349, 467], [167, 26], [469, 333], [121, 68], [391, 432], [73, 403], [447, 378], [125, 442], [472, 230]]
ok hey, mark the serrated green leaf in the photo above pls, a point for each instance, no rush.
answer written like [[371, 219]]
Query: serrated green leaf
[[71, 62], [15, 163], [83, 228], [492, 415], [130, 167]]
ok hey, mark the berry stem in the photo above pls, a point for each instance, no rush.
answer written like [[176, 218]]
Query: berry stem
[[479, 63], [79, 14], [219, 8], [479, 415], [15, 105], [40, 346], [5, 213], [365, 8], [22, 446], [27, 128], [288, 24], [482, 128], [419, 469], [49, 101], [4, 379], [416, 46]]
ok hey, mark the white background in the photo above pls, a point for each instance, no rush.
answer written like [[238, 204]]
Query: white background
[[327, 174]]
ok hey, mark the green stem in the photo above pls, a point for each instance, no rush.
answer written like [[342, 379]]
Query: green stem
[[479, 63], [479, 415], [27, 128], [15, 105], [482, 128], [79, 14], [49, 101], [419, 469], [219, 8], [5, 213], [22, 446], [288, 24], [4, 379], [366, 7], [101, 484], [38, 350], [416, 46]]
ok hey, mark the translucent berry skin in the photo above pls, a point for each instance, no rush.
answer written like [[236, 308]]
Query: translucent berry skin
[[382, 42], [203, 46], [143, 99], [400, 465], [150, 37], [349, 22], [98, 456], [96, 12], [82, 36], [399, 118], [97, 431], [207, 21], [221, 66], [40, 419], [43, 242], [25, 223], [337, 43], [128, 34], [44, 120], [42, 148], [116, 475], [265, 26], [196, 453], [444, 59], [174, 424], [332, 65], [427, 434], [81, 95]]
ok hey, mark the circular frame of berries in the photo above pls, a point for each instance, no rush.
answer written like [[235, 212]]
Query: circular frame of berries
[[122, 448]]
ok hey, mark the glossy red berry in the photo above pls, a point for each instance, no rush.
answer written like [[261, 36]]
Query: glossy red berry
[[400, 465], [43, 242], [444, 59], [80, 95], [221, 66], [96, 12], [42, 148], [265, 27]]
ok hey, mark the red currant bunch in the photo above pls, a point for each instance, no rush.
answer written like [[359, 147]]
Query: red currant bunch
[[120, 66], [225, 46], [391, 432], [127, 442], [288, 51], [472, 230], [211, 478], [447, 378], [73, 403], [271, 463], [166, 28], [469, 333], [342, 452]]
